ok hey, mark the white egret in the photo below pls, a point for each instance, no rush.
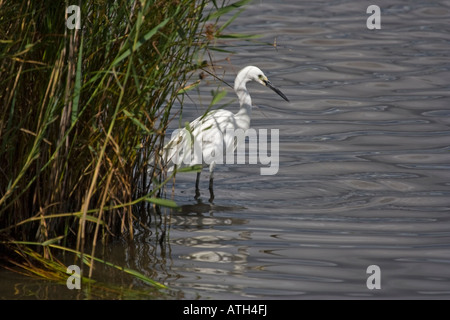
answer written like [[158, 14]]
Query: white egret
[[209, 131]]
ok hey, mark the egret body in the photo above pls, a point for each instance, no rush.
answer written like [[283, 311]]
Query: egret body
[[209, 131]]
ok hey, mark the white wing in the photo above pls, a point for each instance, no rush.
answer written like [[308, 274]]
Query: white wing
[[206, 142]]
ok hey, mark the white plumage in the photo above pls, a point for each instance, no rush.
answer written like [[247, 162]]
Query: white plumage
[[207, 139]]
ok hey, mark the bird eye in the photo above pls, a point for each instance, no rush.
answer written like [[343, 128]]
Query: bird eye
[[260, 76]]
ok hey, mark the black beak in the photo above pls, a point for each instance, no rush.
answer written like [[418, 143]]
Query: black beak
[[281, 94]]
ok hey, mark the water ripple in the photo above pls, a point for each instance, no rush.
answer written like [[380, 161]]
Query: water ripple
[[364, 161]]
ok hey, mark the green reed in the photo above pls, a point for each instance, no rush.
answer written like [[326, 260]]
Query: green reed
[[83, 113]]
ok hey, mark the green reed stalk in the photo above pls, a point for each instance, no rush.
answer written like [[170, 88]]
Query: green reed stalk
[[83, 113]]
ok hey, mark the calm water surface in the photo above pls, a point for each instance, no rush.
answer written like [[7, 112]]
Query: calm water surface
[[364, 173]]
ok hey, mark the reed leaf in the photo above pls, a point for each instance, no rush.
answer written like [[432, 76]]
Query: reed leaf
[[83, 113], [163, 202]]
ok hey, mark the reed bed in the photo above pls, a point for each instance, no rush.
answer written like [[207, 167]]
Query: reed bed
[[83, 114]]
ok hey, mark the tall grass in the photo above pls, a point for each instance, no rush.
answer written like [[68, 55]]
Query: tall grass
[[83, 113]]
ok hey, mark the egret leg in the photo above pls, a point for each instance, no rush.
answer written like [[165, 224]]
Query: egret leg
[[211, 190], [211, 181], [197, 189]]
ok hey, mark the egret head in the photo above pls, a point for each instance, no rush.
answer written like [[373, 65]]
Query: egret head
[[252, 73]]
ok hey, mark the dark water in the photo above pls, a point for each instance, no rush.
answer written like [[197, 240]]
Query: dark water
[[364, 165]]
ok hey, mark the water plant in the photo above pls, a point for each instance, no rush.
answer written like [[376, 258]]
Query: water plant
[[83, 115]]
